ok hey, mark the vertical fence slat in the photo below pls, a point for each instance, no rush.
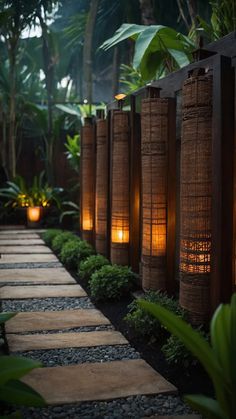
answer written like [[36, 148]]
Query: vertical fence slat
[[102, 182], [222, 167], [135, 180]]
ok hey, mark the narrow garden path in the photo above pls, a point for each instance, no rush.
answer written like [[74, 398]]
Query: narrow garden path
[[90, 369]]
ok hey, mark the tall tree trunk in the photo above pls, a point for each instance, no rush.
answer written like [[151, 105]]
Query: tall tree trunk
[[87, 53], [49, 77], [115, 72], [12, 110], [183, 15], [147, 12]]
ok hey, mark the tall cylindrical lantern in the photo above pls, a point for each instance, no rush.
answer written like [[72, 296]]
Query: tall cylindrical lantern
[[154, 153], [88, 180], [196, 196], [120, 212], [101, 187]]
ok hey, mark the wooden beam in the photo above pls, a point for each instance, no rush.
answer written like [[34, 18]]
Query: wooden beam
[[222, 182]]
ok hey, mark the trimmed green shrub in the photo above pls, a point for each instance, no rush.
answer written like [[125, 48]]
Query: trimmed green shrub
[[111, 282], [144, 323], [176, 352], [50, 234], [61, 239], [74, 251], [91, 264]]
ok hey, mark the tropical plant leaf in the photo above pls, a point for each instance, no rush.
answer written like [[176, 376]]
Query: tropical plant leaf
[[6, 316], [147, 39], [72, 110], [208, 407], [14, 367], [16, 392], [221, 337], [232, 350], [125, 31]]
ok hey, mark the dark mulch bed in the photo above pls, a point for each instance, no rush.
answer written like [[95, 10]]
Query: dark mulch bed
[[192, 380]]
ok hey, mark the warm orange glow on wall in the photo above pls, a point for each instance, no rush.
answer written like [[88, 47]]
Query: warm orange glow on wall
[[33, 214]]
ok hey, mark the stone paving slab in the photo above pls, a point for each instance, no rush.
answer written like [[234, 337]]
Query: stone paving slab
[[98, 381], [20, 241], [38, 276], [54, 320], [40, 291], [18, 236], [28, 258], [175, 417], [24, 249], [64, 340], [22, 230]]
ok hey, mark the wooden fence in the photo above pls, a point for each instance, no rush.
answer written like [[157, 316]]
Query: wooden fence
[[171, 178]]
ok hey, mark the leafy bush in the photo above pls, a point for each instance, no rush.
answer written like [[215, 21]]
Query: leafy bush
[[91, 264], [50, 234], [144, 323], [177, 354], [12, 368], [61, 239], [217, 357], [111, 282], [74, 251]]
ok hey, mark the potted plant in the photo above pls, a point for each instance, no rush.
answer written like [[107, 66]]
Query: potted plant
[[35, 199]]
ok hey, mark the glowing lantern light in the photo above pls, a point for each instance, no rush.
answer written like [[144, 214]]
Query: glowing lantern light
[[33, 214]]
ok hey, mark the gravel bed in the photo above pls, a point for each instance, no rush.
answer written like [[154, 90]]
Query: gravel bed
[[129, 407], [50, 304], [70, 330], [68, 356], [30, 265]]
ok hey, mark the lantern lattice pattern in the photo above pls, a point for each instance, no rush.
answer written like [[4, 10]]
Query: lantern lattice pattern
[[101, 187], [120, 189], [87, 180], [196, 196], [154, 149]]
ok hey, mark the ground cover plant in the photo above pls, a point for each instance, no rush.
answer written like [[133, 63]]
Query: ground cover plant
[[61, 239], [93, 263], [111, 282], [145, 324], [50, 234], [74, 251]]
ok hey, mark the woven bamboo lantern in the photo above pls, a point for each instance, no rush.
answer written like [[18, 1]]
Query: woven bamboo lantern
[[154, 152], [120, 188], [101, 186], [196, 196], [87, 180]]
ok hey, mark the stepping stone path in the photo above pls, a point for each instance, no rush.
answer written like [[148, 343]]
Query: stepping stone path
[[109, 376]]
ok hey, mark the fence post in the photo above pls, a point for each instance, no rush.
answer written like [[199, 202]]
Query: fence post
[[222, 255]]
